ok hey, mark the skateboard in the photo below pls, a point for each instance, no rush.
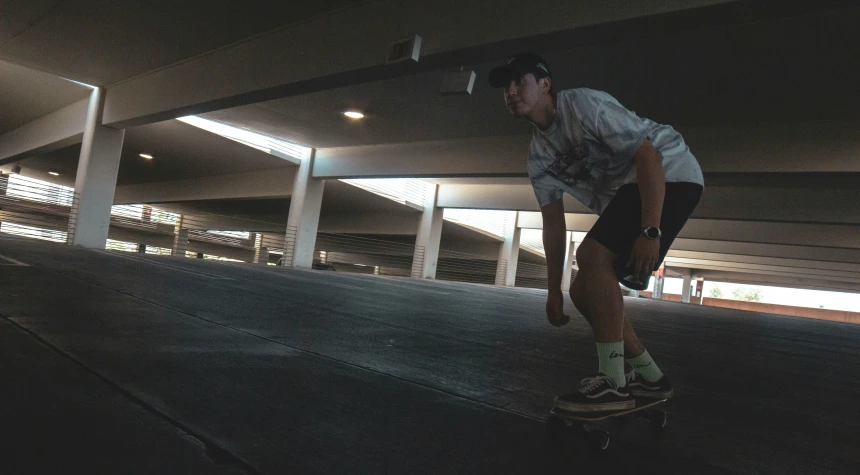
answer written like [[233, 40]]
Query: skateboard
[[560, 421]]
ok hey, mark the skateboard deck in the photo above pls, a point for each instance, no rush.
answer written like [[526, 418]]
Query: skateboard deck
[[559, 421], [641, 405]]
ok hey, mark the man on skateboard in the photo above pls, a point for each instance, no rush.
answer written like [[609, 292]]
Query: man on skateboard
[[644, 183]]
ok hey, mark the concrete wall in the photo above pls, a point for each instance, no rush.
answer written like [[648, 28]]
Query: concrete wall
[[816, 313]]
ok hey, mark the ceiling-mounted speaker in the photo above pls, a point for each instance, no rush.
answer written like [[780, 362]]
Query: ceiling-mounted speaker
[[405, 49], [458, 83]]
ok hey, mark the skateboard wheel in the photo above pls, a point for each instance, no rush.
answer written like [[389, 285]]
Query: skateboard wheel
[[597, 438], [658, 419], [600, 439]]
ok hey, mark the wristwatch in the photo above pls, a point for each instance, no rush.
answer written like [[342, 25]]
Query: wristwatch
[[652, 232]]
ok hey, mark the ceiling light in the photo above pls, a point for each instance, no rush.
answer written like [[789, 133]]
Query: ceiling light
[[53, 173], [354, 114], [146, 156]]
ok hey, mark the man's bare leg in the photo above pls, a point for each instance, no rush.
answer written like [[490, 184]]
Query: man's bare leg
[[604, 305], [596, 294], [580, 295]]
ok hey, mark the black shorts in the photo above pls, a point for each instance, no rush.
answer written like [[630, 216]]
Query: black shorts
[[621, 223]]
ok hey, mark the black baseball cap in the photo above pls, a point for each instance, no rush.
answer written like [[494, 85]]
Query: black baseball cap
[[518, 66]]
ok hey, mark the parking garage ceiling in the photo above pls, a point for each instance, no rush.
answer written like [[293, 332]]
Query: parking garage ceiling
[[103, 42], [796, 69]]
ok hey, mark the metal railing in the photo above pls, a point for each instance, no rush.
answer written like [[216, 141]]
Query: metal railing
[[350, 253], [417, 262], [288, 247], [37, 209], [34, 209], [531, 275], [465, 267], [501, 272]]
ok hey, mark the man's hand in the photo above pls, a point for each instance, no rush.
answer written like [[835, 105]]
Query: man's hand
[[555, 309], [643, 257]]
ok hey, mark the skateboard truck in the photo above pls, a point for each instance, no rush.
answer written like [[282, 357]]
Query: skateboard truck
[[560, 421]]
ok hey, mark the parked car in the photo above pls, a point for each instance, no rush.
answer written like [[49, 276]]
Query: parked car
[[321, 266]]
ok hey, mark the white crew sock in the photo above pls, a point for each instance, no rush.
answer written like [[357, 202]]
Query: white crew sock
[[645, 366], [611, 359]]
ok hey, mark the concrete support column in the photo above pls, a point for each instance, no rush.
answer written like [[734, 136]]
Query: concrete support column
[[699, 295], [304, 216], [261, 252], [141, 248], [659, 282], [426, 256], [509, 252], [569, 256], [180, 238], [96, 178], [685, 288], [4, 186]]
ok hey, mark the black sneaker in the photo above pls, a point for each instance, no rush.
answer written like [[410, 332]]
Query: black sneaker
[[640, 387], [597, 394]]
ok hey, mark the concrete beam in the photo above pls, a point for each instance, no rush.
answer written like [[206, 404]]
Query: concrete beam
[[744, 250], [691, 257], [748, 148], [54, 131], [834, 236], [277, 183], [748, 268], [777, 281], [496, 197], [840, 236], [453, 35], [790, 205], [817, 146], [502, 156], [766, 277], [369, 223]]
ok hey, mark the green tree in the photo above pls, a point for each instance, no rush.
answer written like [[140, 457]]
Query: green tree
[[748, 294], [716, 292]]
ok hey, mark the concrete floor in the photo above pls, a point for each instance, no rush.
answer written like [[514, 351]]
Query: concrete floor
[[125, 363]]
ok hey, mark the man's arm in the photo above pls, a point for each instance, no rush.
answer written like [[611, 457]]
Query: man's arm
[[554, 233], [652, 190], [652, 183]]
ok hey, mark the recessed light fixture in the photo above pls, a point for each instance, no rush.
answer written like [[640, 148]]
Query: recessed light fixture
[[146, 156], [54, 173], [354, 114]]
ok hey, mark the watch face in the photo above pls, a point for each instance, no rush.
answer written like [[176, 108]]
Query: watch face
[[652, 233]]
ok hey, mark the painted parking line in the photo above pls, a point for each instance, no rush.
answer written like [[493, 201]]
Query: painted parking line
[[159, 264], [8, 261]]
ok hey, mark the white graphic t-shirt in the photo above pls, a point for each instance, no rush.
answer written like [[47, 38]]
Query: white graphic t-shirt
[[588, 150]]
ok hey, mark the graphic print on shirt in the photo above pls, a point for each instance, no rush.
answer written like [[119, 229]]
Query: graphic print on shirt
[[573, 160], [575, 169]]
